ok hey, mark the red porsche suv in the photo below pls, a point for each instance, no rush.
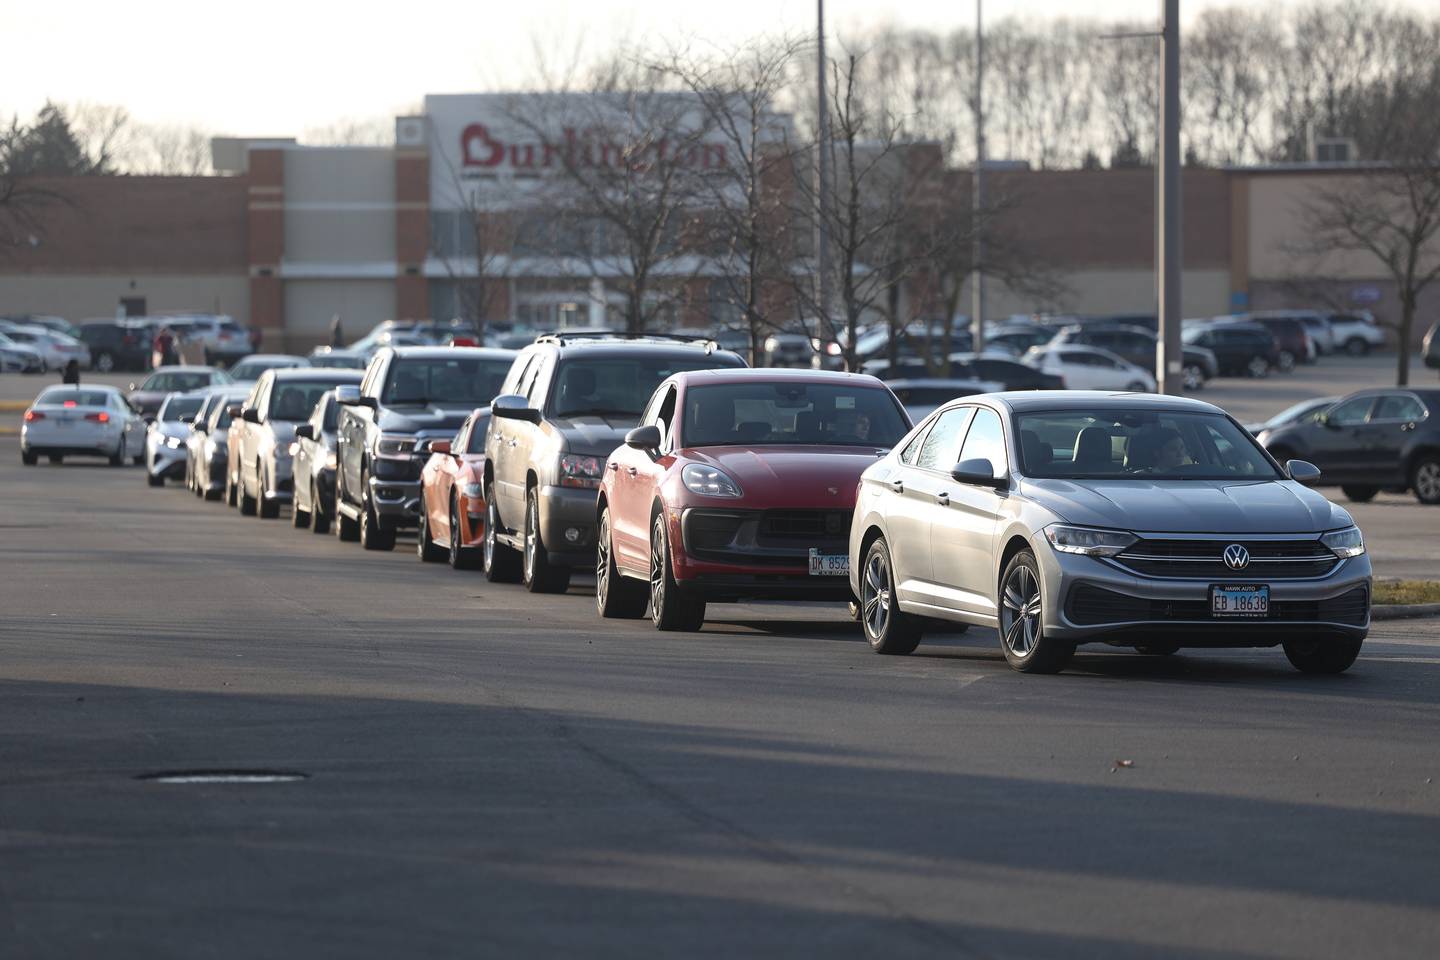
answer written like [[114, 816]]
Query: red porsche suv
[[738, 485]]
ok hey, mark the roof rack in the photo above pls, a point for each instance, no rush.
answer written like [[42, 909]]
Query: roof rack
[[562, 339]]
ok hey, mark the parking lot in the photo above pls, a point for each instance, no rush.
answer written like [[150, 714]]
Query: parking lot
[[519, 776]]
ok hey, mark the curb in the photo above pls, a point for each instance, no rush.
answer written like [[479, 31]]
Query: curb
[[9, 431], [14, 406], [1401, 611]]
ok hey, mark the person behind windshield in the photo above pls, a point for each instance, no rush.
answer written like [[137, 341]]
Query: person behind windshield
[[1156, 450]]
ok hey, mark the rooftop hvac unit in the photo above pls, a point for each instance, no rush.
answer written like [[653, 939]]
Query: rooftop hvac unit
[[410, 132], [1333, 150]]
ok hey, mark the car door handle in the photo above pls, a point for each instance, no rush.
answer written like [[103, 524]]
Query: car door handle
[[514, 442], [897, 485], [612, 466], [942, 498], [631, 470]]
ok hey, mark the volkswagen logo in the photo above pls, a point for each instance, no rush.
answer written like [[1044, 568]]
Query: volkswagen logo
[[1237, 557]]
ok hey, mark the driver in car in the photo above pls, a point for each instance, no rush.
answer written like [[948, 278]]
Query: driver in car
[[1156, 450]]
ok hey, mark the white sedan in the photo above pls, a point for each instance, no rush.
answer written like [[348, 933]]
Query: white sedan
[[84, 421], [1091, 368]]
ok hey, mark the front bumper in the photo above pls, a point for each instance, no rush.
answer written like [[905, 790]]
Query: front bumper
[[567, 524], [397, 502], [737, 554], [163, 461], [1087, 598]]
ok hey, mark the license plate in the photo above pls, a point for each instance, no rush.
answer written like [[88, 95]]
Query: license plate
[[829, 564], [1240, 600]]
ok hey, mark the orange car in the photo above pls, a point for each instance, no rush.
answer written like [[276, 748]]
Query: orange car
[[452, 501]]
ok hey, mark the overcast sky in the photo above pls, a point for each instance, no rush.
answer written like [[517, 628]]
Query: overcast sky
[[275, 67]]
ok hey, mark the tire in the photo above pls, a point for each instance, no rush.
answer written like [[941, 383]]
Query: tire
[[154, 479], [319, 519], [1357, 346], [1360, 494], [1425, 478], [890, 630], [537, 573], [103, 362], [118, 457], [1322, 654], [1022, 620], [1194, 377], [299, 519], [247, 502], [1158, 648], [501, 561], [373, 534], [29, 457], [617, 597], [267, 509], [425, 548], [1287, 361], [1258, 367], [459, 556], [232, 496], [346, 530], [670, 607]]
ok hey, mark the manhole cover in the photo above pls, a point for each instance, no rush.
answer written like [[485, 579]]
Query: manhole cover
[[222, 776]]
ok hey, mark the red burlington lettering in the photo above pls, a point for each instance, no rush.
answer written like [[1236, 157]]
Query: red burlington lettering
[[478, 148]]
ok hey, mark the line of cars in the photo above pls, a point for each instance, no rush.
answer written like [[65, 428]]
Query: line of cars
[[683, 479]]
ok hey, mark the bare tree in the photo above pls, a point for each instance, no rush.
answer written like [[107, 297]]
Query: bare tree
[[1230, 61], [104, 132], [475, 241], [747, 228]]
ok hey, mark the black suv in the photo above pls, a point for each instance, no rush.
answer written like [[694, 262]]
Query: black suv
[[1369, 441], [1239, 348], [410, 396], [565, 406], [117, 344]]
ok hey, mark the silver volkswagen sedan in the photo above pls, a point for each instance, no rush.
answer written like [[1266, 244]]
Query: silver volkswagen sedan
[[1142, 521]]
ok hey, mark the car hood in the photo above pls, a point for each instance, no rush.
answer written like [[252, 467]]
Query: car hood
[[808, 476], [1222, 507], [417, 419], [594, 436]]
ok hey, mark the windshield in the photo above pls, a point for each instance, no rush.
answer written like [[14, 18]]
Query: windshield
[[1304, 410], [73, 396], [177, 407], [449, 381], [1131, 444], [815, 414], [179, 382], [619, 386], [292, 401]]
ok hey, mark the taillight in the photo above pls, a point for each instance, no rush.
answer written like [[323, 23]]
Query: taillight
[[101, 417], [69, 403], [32, 415]]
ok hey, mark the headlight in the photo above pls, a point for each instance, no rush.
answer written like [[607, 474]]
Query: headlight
[[1086, 541], [330, 460], [1345, 543], [395, 446], [473, 490], [294, 447], [174, 443], [708, 482], [580, 471]]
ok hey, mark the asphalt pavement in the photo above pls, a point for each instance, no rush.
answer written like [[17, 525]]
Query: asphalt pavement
[[493, 774]]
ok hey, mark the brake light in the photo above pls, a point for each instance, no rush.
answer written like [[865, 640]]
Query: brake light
[[101, 417], [32, 415]]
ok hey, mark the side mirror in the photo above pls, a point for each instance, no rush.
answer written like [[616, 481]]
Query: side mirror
[[149, 419], [644, 438], [440, 446], [233, 410], [250, 415], [1302, 472], [347, 395], [187, 418], [979, 472], [512, 406], [306, 431], [199, 426]]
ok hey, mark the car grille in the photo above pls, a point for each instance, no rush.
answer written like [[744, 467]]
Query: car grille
[[1091, 605], [1203, 559], [764, 537]]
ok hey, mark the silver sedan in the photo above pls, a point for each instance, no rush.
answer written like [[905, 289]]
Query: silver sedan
[[1141, 521], [85, 421]]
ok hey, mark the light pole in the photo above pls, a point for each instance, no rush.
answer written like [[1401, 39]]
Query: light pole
[[822, 186], [1170, 365], [977, 199]]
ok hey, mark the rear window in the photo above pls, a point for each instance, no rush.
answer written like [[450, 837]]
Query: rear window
[[176, 382], [74, 397], [177, 407]]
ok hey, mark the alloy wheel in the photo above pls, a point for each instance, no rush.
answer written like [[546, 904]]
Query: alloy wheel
[[1020, 612], [875, 596], [1427, 481], [602, 559], [532, 532], [657, 568]]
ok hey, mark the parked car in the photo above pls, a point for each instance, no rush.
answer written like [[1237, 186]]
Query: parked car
[[314, 465], [151, 393], [208, 451], [249, 369], [1292, 341], [1371, 441], [1069, 518], [795, 350], [1018, 338], [46, 321], [564, 407], [914, 368], [1302, 411], [737, 485], [165, 451], [21, 357], [1355, 333], [1090, 368], [56, 349], [1239, 348], [452, 497], [1430, 347], [409, 398], [1138, 346], [919, 397], [913, 342], [81, 421], [263, 436], [117, 344], [221, 339]]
